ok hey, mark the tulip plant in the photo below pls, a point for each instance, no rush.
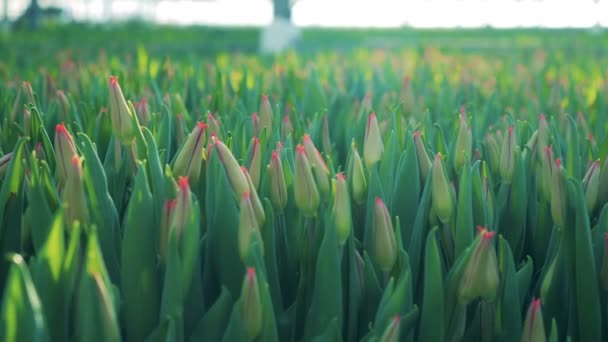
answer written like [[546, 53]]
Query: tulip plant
[[414, 196]]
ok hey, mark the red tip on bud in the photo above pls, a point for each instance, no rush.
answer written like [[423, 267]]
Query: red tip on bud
[[170, 204], [264, 98], [113, 80], [183, 183], [535, 305], [416, 134], [379, 201], [256, 141], [543, 117], [255, 115], [370, 118], [340, 176], [300, 149], [487, 236], [251, 270], [75, 160], [438, 156], [558, 162], [306, 137], [275, 155], [201, 125], [60, 128], [591, 137], [246, 195], [510, 129], [286, 119]]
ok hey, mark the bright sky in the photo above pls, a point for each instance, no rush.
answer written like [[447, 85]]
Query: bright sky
[[359, 13]]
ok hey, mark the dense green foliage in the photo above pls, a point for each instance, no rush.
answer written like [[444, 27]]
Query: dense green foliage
[[442, 186]]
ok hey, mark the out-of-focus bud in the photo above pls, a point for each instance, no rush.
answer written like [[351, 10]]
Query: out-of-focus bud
[[407, 96], [534, 329], [480, 277], [392, 331], [178, 105], [29, 93], [142, 109], [121, 116], [251, 305], [424, 162], [73, 195], [278, 189], [357, 176], [372, 145], [507, 156], [531, 148], [65, 108], [603, 184], [286, 127], [183, 207], [543, 137], [64, 151], [266, 115], [248, 225], [213, 129], [5, 160], [255, 200], [233, 170], [305, 189], [558, 196], [318, 164], [441, 192], [255, 164], [463, 147], [591, 185], [168, 208], [365, 106], [383, 235], [190, 156], [39, 151], [493, 153], [256, 124], [342, 212]]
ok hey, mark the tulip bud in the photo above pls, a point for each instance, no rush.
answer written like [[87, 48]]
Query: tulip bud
[[543, 136], [73, 194], [534, 329], [142, 110], [358, 182], [266, 115], [305, 189], [233, 170], [392, 331], [29, 93], [190, 156], [372, 145], [255, 123], [603, 184], [178, 105], [168, 208], [255, 163], [493, 153], [342, 212], [531, 148], [424, 162], [5, 160], [318, 165], [121, 116], [64, 151], [440, 192], [558, 200], [385, 245], [591, 185], [248, 225], [462, 149], [255, 200], [251, 304], [183, 207], [507, 156], [407, 96], [65, 108], [214, 126], [278, 189], [480, 275], [286, 127]]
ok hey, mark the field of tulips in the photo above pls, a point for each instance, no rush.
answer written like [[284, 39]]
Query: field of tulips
[[390, 194]]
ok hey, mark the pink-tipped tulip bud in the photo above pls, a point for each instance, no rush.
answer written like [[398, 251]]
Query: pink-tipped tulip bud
[[357, 176], [286, 127], [65, 149], [305, 189], [372, 145], [342, 213], [120, 114], [251, 305], [183, 207], [318, 165], [534, 329], [493, 153], [278, 189], [255, 200], [255, 163], [233, 170], [591, 183], [480, 277], [190, 156], [392, 331], [29, 93], [5, 160], [266, 116], [558, 195], [463, 146], [142, 110], [442, 198], [507, 156], [248, 226], [383, 235], [543, 137], [407, 96], [165, 222], [256, 124], [424, 162], [73, 195]]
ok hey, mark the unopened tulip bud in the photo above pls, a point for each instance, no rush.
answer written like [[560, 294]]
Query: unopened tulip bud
[[29, 93], [65, 149], [372, 145], [73, 194], [65, 108], [558, 196], [248, 225], [266, 116], [407, 96], [424, 162], [493, 153], [213, 129], [278, 189], [392, 331], [383, 235], [591, 185], [233, 170], [121, 116], [255, 200], [357, 176], [178, 105], [255, 163], [183, 207], [441, 192], [342, 212], [286, 127], [190, 156], [543, 137], [507, 156], [256, 124], [165, 222], [531, 148], [305, 189], [318, 165], [603, 183], [534, 328], [142, 110], [480, 276], [251, 305], [462, 149], [5, 160]]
